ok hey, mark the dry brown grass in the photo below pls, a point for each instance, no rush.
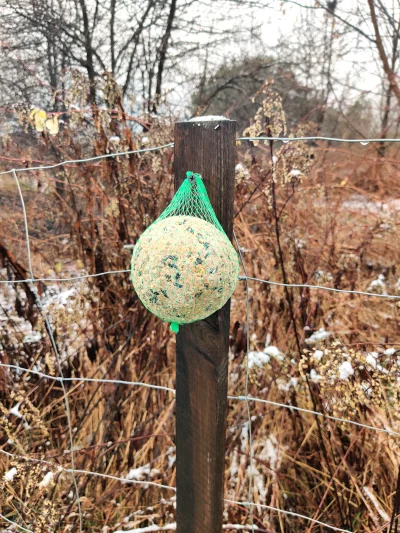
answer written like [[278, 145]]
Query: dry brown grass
[[333, 232]]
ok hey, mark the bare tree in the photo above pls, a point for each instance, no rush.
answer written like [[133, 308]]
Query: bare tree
[[139, 43]]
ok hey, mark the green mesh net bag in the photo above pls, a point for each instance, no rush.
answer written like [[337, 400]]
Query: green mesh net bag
[[184, 267]]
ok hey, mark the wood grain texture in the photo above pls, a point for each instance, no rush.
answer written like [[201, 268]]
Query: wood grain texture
[[207, 148]]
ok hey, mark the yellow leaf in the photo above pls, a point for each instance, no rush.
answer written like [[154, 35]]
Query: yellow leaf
[[52, 125], [79, 264], [40, 118], [33, 113], [58, 267], [343, 182]]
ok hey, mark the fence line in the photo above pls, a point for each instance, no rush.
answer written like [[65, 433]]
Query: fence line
[[87, 159], [247, 379], [15, 524], [49, 330], [322, 287], [241, 278], [330, 139], [291, 513], [73, 278], [90, 380], [168, 487], [310, 411], [247, 398], [171, 144], [88, 472]]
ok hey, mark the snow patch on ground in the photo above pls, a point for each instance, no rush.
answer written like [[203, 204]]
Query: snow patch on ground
[[359, 203]]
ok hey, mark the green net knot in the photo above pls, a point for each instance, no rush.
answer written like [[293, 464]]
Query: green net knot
[[192, 176], [191, 199], [174, 327]]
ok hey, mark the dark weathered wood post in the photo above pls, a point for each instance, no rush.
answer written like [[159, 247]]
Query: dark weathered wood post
[[206, 146]]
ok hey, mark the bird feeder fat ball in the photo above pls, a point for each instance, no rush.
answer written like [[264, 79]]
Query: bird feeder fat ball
[[184, 267]]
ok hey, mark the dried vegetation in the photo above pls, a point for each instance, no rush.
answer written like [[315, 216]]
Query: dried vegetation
[[307, 213]]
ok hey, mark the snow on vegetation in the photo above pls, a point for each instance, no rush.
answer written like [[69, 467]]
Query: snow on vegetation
[[318, 336], [360, 203], [317, 355], [9, 476], [378, 285], [149, 529], [142, 473], [259, 359], [48, 478], [345, 370], [67, 309]]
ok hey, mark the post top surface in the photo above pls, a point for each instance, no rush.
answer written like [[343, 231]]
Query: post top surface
[[209, 118]]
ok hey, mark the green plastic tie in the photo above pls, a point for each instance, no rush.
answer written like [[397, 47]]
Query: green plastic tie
[[192, 176], [174, 327], [191, 199]]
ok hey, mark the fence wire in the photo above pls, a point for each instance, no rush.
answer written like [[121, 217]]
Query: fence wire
[[246, 397], [49, 329]]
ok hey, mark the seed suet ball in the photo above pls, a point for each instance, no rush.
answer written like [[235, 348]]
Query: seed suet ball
[[184, 269]]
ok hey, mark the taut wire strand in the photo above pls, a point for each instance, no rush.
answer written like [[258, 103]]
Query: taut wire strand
[[168, 389], [290, 513], [247, 382], [87, 159], [54, 345]]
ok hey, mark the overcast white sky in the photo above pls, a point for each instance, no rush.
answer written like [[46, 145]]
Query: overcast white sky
[[359, 68]]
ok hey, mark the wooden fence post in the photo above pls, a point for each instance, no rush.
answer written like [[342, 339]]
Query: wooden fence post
[[205, 145]]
